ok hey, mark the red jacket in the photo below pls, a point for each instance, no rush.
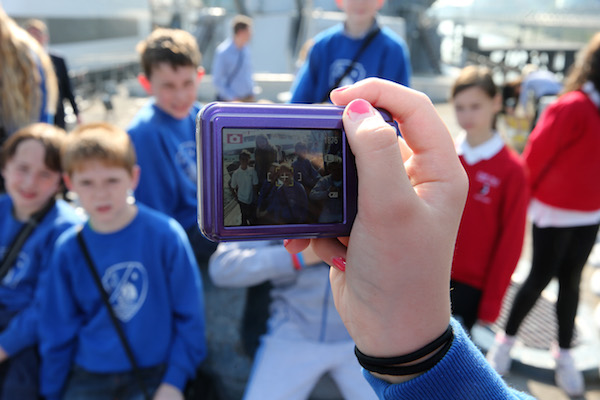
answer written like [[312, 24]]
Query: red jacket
[[563, 154], [490, 236]]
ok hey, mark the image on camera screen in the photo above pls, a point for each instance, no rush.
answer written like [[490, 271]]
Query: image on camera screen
[[282, 176]]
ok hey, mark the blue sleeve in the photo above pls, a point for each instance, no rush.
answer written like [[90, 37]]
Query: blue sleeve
[[157, 187], [304, 88], [189, 342], [397, 65], [59, 323], [22, 331], [301, 86], [404, 69], [463, 374]]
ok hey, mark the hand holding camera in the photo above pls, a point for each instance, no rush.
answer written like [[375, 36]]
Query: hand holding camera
[[393, 295]]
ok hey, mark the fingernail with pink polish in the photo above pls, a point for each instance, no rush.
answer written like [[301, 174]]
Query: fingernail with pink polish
[[339, 263], [341, 88], [286, 242], [359, 109]]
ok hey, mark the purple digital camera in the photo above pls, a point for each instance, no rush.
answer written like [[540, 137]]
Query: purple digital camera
[[269, 171]]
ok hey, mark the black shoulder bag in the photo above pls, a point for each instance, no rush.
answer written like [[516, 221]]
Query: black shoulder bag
[[113, 317], [15, 247], [364, 45]]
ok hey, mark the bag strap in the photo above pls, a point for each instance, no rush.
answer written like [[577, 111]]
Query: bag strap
[[236, 69], [17, 244], [368, 39], [113, 317]]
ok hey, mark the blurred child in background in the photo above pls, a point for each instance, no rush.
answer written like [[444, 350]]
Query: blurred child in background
[[490, 236]]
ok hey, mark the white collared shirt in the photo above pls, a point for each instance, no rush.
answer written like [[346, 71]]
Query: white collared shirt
[[484, 151]]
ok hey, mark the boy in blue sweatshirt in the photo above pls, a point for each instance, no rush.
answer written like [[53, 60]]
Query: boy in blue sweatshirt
[[383, 54], [163, 131], [147, 269]]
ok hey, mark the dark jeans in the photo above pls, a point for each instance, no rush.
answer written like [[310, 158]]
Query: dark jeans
[[85, 385], [19, 375], [248, 213], [561, 253]]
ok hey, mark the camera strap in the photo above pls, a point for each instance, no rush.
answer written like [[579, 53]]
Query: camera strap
[[26, 230], [368, 39], [111, 313]]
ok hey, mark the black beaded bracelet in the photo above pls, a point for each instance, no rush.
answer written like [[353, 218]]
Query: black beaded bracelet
[[390, 365]]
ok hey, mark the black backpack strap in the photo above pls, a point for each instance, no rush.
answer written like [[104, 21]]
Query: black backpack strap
[[367, 40], [236, 69], [17, 244], [113, 317]]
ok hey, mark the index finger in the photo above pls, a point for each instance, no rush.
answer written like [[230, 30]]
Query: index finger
[[422, 128]]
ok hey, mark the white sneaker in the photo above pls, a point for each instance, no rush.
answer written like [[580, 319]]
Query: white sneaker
[[567, 376], [499, 354]]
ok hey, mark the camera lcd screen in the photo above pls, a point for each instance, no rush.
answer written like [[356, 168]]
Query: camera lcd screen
[[281, 176]]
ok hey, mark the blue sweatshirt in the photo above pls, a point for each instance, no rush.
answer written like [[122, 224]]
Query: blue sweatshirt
[[462, 374], [148, 269], [24, 279], [385, 57], [166, 152]]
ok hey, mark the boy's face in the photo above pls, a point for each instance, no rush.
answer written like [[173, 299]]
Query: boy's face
[[175, 89], [360, 11], [286, 176], [103, 191], [29, 182]]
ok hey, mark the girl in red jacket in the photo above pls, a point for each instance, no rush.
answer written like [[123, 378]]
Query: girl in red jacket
[[490, 236], [563, 162]]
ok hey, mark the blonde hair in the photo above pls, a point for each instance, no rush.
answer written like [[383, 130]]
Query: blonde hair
[[175, 47], [99, 141], [586, 67], [20, 78], [50, 136]]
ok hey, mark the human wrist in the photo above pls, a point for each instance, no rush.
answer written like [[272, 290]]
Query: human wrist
[[401, 368], [414, 334]]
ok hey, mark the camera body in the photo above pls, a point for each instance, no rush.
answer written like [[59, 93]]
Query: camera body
[[272, 171]]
